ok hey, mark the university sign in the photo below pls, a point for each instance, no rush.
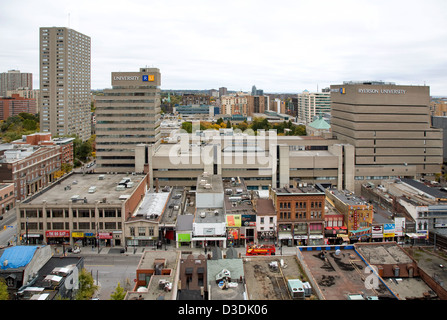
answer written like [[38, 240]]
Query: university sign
[[144, 78]]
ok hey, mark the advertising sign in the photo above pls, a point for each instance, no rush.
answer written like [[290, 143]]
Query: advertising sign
[[400, 226], [248, 220], [104, 235], [234, 220], [57, 233], [184, 237], [77, 234], [377, 231], [389, 230]]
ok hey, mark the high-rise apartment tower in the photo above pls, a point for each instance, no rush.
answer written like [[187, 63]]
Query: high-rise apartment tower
[[65, 72], [13, 80]]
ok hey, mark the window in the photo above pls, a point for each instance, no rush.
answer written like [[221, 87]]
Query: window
[[132, 231], [141, 231]]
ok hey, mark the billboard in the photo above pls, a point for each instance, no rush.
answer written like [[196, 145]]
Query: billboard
[[389, 230], [234, 220]]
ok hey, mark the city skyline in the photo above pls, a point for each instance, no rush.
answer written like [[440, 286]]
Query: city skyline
[[290, 47]]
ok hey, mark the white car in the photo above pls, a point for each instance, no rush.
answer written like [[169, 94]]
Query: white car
[[77, 250]]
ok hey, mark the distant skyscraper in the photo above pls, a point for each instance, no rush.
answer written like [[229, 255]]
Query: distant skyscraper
[[126, 116], [253, 90], [13, 80], [65, 84], [222, 91]]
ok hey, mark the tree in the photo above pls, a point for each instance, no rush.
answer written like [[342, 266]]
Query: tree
[[187, 126], [118, 294], [4, 295], [86, 286]]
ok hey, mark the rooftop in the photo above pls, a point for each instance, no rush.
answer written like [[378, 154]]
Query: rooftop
[[338, 274], [209, 183], [299, 190], [237, 197], [264, 207], [347, 197], [153, 290], [77, 186], [236, 289], [383, 253]]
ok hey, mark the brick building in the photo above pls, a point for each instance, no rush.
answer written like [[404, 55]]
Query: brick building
[[12, 106], [7, 198], [30, 168], [44, 139], [300, 214]]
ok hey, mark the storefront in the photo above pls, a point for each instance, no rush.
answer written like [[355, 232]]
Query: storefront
[[335, 235], [33, 238], [105, 239], [61, 237], [360, 235], [183, 239], [143, 241]]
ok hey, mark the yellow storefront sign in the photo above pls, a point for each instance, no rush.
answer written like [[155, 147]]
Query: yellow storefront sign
[[77, 234], [389, 235]]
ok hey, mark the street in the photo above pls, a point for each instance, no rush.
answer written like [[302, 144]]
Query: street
[[8, 230]]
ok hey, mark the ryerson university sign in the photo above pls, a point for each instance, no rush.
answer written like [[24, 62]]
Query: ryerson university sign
[[383, 91]]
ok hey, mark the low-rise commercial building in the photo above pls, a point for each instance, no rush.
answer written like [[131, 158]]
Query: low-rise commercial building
[[85, 209], [357, 213], [209, 226], [300, 215], [30, 168]]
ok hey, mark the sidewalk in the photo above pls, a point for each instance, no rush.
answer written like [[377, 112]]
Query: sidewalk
[[287, 251]]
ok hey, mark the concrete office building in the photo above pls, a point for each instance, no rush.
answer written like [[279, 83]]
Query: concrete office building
[[389, 126], [277, 161], [14, 80], [89, 209], [126, 116], [65, 72]]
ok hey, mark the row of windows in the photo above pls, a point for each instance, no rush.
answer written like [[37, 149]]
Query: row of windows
[[64, 213], [300, 205], [76, 226], [142, 231], [301, 215]]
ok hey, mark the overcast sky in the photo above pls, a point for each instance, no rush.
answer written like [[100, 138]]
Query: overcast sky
[[279, 46]]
